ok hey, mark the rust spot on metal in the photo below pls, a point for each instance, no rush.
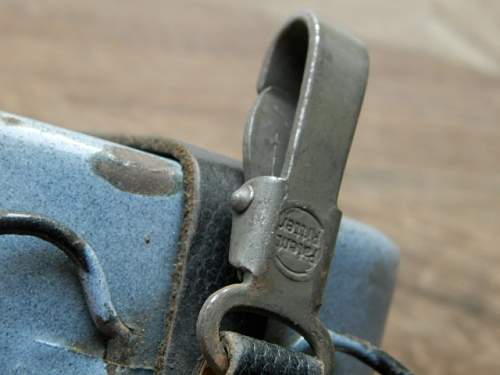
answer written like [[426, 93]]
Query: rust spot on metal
[[11, 120], [135, 172]]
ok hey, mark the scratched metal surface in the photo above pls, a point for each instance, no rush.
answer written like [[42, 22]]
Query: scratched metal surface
[[67, 176]]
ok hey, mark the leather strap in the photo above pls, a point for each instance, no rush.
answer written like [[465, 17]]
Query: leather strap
[[202, 265], [250, 356]]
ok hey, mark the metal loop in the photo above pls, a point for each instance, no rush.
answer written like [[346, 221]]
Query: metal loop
[[243, 297], [90, 272], [209, 320]]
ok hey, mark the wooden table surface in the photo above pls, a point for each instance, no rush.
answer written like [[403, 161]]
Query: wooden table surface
[[424, 166]]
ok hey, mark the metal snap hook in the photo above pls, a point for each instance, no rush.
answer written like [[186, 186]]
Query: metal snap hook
[[296, 145]]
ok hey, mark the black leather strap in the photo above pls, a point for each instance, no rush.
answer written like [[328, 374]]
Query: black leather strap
[[202, 265], [250, 356]]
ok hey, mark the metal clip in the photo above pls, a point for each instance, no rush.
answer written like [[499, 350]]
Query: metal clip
[[286, 219]]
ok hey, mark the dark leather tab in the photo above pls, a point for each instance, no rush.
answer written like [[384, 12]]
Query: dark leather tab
[[202, 265], [250, 356]]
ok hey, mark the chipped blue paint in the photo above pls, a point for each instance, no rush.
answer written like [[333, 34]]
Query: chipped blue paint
[[45, 326]]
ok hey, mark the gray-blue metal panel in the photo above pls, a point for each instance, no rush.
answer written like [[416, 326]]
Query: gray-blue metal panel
[[45, 324], [43, 317], [360, 287]]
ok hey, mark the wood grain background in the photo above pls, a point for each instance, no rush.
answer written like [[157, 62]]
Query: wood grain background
[[424, 167]]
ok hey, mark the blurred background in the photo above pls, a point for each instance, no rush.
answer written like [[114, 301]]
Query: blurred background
[[425, 164]]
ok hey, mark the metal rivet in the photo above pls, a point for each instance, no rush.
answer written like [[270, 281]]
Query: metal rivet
[[242, 198]]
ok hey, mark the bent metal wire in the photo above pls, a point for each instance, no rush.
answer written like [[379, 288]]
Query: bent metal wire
[[83, 256]]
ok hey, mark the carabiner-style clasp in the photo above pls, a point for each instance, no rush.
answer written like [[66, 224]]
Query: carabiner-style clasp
[[286, 219]]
